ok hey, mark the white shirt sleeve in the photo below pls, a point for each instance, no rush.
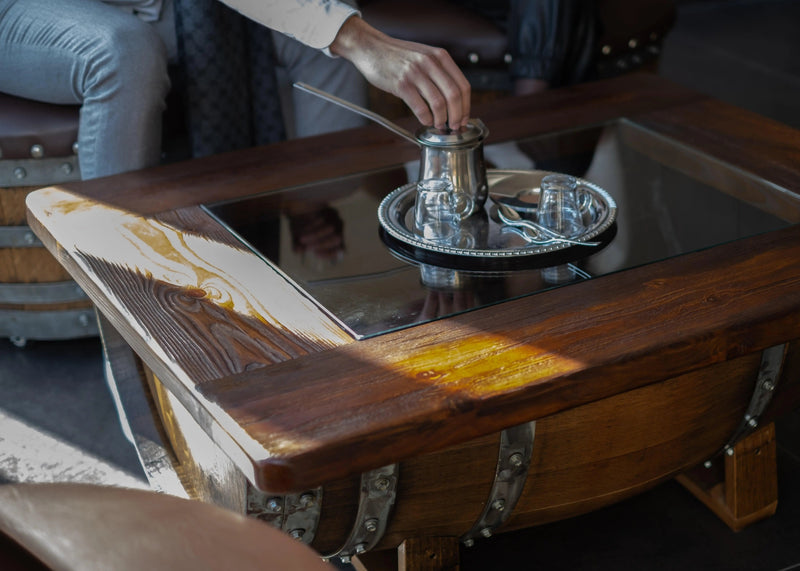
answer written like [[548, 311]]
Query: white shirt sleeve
[[314, 23]]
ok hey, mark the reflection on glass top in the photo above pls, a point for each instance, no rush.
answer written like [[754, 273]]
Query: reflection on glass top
[[325, 237]]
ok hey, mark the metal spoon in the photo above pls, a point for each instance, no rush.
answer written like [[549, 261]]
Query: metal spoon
[[394, 127], [527, 235], [511, 217]]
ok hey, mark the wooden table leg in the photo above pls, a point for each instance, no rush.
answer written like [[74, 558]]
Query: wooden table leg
[[415, 554], [383, 560], [749, 489], [428, 554]]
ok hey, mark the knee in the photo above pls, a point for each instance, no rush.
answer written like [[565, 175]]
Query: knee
[[129, 54]]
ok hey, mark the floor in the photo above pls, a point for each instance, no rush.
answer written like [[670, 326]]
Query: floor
[[58, 423]]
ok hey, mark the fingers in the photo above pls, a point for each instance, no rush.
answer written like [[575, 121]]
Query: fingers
[[426, 78], [435, 89], [456, 90]]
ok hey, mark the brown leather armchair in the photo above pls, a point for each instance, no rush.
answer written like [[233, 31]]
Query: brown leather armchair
[[630, 36], [82, 526]]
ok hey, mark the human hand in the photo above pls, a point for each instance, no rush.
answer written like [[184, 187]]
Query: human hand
[[426, 78]]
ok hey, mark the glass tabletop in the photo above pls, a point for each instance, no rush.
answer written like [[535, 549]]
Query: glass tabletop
[[326, 238]]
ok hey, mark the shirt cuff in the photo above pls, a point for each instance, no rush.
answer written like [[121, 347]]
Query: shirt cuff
[[314, 24]]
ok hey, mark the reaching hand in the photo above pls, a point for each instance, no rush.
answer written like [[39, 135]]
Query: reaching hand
[[425, 77]]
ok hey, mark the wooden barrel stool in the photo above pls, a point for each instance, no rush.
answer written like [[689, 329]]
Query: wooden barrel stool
[[38, 300]]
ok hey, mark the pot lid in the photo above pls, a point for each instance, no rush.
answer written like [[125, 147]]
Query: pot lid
[[473, 133]]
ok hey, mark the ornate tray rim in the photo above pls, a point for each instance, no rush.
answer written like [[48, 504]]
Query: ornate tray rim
[[494, 176]]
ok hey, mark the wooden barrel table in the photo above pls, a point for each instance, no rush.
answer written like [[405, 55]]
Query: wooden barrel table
[[38, 300], [701, 427]]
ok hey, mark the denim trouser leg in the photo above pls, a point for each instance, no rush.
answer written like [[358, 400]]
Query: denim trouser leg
[[86, 52]]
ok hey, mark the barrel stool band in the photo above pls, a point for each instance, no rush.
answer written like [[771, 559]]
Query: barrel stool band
[[18, 237], [769, 373], [48, 325], [39, 172], [41, 293]]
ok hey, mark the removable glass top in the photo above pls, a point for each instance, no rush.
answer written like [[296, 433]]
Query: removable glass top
[[326, 239]]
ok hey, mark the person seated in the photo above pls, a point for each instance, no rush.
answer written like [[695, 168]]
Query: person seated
[[114, 64], [550, 42]]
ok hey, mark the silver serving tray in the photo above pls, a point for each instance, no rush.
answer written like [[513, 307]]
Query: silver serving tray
[[483, 237]]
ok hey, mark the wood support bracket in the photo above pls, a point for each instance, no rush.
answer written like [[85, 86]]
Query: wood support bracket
[[414, 554], [748, 491]]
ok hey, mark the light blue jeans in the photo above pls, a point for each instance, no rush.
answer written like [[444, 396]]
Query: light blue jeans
[[85, 52], [115, 66], [305, 114]]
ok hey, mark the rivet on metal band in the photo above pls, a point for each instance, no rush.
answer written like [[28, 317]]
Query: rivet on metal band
[[378, 493], [768, 374], [296, 514], [514, 458]]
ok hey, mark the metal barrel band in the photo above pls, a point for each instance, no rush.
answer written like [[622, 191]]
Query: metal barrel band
[[296, 514], [375, 503], [769, 373], [514, 458]]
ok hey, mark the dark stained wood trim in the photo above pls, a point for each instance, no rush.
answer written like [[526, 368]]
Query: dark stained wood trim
[[755, 144], [477, 373]]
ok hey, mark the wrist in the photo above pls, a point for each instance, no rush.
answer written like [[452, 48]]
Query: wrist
[[350, 36]]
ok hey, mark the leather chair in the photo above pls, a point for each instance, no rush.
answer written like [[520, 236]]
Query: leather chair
[[630, 36], [85, 527]]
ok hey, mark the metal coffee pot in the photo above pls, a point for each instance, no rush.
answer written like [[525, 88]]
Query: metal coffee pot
[[457, 156], [454, 155]]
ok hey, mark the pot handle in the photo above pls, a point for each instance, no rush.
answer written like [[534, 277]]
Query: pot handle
[[395, 128]]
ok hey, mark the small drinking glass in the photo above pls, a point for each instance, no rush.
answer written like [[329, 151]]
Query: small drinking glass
[[439, 209], [559, 209]]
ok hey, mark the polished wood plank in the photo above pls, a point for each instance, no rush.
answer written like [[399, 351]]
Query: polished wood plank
[[476, 373]]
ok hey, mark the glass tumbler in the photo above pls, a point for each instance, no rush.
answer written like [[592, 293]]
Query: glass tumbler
[[439, 209], [559, 208]]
